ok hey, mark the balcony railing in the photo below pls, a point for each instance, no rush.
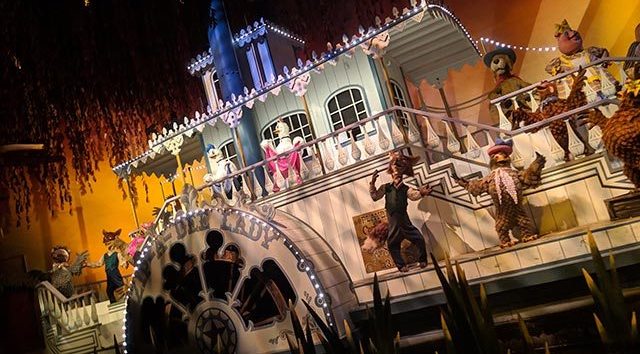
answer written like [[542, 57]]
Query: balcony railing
[[65, 315], [384, 133]]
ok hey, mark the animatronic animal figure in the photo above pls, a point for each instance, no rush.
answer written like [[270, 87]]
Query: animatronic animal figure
[[633, 68], [62, 273], [396, 194], [220, 168], [137, 239], [501, 62], [574, 55], [505, 185], [292, 160], [111, 260], [621, 132], [550, 106]]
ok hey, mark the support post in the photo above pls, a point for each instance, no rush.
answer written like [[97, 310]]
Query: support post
[[133, 205], [313, 131], [249, 181], [231, 83], [180, 169], [387, 80], [447, 109]]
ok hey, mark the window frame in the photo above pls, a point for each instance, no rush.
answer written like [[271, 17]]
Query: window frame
[[287, 118], [399, 99], [223, 147], [363, 100]]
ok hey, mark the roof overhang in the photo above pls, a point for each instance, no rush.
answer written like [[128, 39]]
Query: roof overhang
[[428, 48], [427, 40]]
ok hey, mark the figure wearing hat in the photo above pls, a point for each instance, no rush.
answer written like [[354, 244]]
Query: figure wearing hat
[[220, 168], [112, 260], [574, 55], [633, 68], [396, 194], [505, 186], [501, 62]]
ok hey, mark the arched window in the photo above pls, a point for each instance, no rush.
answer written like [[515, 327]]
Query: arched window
[[347, 107], [298, 125], [229, 152], [399, 100]]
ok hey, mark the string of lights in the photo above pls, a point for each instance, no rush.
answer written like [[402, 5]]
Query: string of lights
[[515, 47]]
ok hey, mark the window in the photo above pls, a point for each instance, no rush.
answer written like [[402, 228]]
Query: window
[[399, 100], [298, 125], [347, 107], [228, 149]]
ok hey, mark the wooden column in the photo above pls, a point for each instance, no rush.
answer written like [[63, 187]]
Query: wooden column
[[313, 131], [387, 80], [448, 110], [133, 206], [248, 178]]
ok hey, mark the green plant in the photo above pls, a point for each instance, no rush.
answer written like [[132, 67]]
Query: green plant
[[617, 326], [467, 324], [380, 338], [328, 337]]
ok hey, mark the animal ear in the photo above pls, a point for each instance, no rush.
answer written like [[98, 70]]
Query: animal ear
[[117, 232], [104, 232]]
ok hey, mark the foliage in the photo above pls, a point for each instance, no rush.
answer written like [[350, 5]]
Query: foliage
[[379, 329], [617, 326], [468, 324], [89, 80], [380, 337], [330, 339]]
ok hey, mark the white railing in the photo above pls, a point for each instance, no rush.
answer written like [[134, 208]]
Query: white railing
[[63, 314], [383, 133]]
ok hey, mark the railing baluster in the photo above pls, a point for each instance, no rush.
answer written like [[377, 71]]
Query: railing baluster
[[78, 314], [72, 320], [396, 134], [453, 145], [575, 145], [433, 140], [383, 141], [473, 149], [595, 138], [64, 318], [534, 103], [343, 159], [367, 144], [51, 304], [413, 135], [557, 153], [94, 311], [87, 319], [504, 122], [356, 153], [329, 163], [58, 308], [517, 160]]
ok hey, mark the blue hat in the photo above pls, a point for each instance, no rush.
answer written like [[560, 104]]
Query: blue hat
[[210, 147]]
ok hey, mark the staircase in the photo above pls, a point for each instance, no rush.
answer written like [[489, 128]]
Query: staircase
[[78, 324]]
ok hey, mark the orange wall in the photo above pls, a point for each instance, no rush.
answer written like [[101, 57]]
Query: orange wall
[[530, 22], [81, 229]]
